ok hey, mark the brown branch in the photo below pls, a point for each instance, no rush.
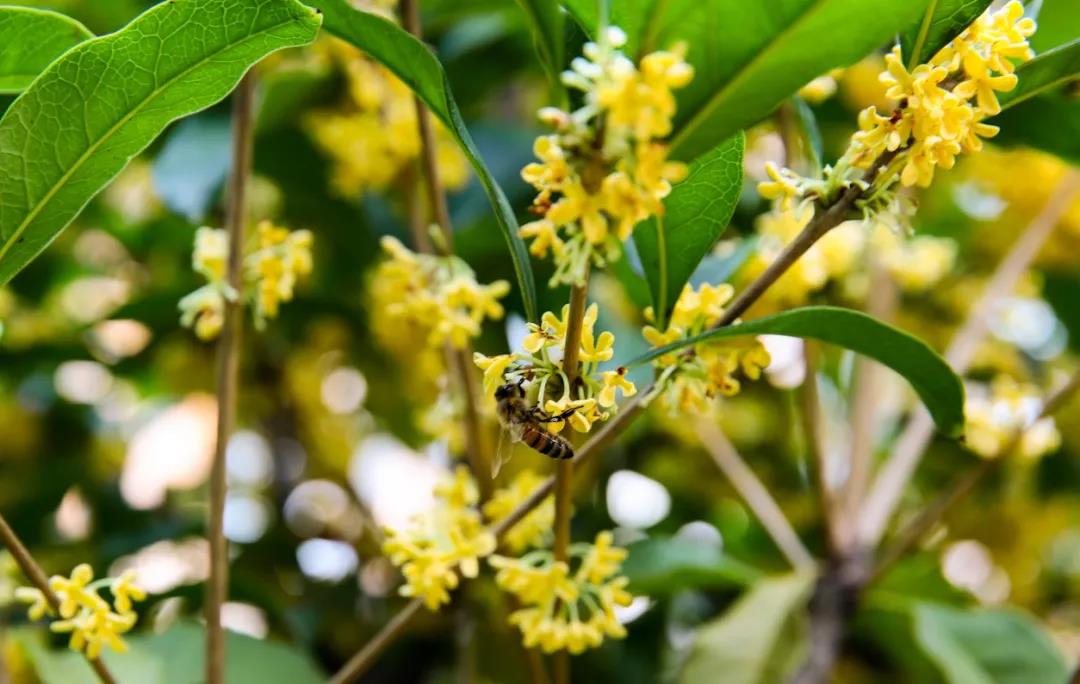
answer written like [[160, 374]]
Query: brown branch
[[813, 424], [374, 648], [920, 526], [37, 577], [755, 494], [889, 484], [228, 364]]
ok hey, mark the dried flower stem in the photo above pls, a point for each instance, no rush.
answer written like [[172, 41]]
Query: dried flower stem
[[37, 577], [920, 526], [889, 484], [228, 365], [755, 494]]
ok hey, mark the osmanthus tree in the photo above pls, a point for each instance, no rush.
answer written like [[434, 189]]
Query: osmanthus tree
[[655, 112]]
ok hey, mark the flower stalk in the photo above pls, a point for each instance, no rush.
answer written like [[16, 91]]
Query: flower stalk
[[37, 577], [228, 365]]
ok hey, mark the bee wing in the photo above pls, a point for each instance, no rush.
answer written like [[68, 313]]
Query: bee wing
[[502, 454]]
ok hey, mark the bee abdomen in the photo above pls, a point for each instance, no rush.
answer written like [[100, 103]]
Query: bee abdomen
[[549, 445]]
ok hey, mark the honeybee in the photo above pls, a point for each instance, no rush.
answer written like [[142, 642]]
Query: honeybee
[[523, 423]]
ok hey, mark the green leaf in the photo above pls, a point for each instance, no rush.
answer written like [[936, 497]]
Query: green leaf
[[986, 646], [1061, 290], [173, 657], [758, 641], [32, 39], [750, 56], [936, 384], [546, 21], [942, 21], [1050, 123], [1044, 74], [1059, 22], [104, 101], [696, 213], [416, 65], [665, 565]]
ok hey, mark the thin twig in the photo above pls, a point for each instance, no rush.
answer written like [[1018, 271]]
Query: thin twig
[[371, 651], [813, 426], [367, 656], [890, 482], [228, 364], [458, 360], [564, 470], [754, 493], [920, 526], [881, 303], [37, 577]]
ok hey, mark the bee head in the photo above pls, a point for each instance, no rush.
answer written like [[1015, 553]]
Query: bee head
[[508, 390]]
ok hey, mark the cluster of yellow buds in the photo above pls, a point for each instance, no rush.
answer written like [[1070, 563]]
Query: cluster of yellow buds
[[442, 545], [567, 605], [91, 620], [940, 113], [915, 264], [535, 529], [539, 372], [690, 378], [603, 170], [372, 139], [273, 264], [433, 299], [995, 415]]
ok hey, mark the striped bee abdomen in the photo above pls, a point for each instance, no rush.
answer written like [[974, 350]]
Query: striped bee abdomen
[[548, 444]]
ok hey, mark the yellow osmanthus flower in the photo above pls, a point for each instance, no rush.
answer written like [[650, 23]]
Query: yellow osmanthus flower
[[567, 606], [429, 300], [689, 378], [534, 529], [603, 170], [443, 545], [994, 415], [274, 262], [539, 370], [916, 264], [372, 138], [940, 113], [821, 88], [91, 620]]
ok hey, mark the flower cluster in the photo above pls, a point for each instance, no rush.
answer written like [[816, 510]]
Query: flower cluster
[[689, 380], [91, 620], [567, 605], [273, 264], [603, 170], [432, 299], [995, 416], [442, 545], [372, 139], [539, 371], [940, 113], [535, 528], [916, 264]]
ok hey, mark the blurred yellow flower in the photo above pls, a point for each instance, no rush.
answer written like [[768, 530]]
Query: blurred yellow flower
[[566, 606], [995, 416], [536, 527], [439, 547]]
